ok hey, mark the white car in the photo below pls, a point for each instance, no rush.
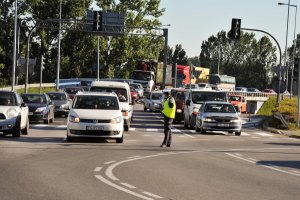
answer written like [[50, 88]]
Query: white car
[[96, 115], [13, 114]]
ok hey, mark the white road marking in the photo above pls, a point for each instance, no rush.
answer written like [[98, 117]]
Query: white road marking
[[244, 134], [232, 155], [131, 129], [146, 135], [151, 129], [128, 185], [238, 154], [152, 195], [264, 134], [104, 180], [253, 159], [109, 162], [97, 169], [134, 157], [62, 126], [298, 172]]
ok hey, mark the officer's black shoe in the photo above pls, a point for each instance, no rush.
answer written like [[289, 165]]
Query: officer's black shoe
[[162, 145], [168, 145]]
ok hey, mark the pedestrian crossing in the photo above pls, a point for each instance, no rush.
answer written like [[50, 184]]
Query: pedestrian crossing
[[146, 131]]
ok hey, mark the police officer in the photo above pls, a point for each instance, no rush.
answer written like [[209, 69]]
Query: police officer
[[169, 108]]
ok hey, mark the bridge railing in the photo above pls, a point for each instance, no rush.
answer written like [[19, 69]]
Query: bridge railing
[[252, 94]]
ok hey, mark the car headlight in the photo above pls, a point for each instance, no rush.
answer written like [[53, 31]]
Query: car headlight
[[208, 120], [41, 109], [236, 120], [64, 106], [74, 119], [116, 120], [12, 112], [179, 110], [195, 111]]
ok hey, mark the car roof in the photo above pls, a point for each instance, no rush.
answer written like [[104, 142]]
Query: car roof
[[110, 84], [217, 102], [97, 94]]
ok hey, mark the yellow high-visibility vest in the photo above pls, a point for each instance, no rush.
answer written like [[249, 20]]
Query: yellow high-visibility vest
[[167, 111]]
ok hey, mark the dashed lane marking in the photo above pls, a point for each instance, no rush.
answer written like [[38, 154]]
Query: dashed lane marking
[[128, 185], [152, 195]]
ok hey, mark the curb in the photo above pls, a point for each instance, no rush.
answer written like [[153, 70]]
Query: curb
[[276, 131]]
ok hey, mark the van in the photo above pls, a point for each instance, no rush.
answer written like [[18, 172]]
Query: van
[[194, 98], [122, 90], [179, 97]]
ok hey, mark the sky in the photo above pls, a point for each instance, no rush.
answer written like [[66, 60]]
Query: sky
[[194, 21]]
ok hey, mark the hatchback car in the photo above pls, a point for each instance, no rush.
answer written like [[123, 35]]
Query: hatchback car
[[153, 101], [40, 107], [218, 116], [134, 94], [96, 115], [139, 88], [62, 102], [13, 114]]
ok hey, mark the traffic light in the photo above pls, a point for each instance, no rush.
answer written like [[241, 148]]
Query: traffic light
[[296, 69], [97, 22], [235, 31]]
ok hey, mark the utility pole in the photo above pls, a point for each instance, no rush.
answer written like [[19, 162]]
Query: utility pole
[[13, 82], [165, 30]]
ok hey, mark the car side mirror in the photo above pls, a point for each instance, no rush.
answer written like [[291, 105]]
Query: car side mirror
[[188, 102]]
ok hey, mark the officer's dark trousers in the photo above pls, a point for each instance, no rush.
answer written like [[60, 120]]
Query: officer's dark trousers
[[168, 134]]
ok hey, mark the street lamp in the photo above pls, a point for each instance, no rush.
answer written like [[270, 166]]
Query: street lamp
[[58, 52], [294, 43], [287, 30]]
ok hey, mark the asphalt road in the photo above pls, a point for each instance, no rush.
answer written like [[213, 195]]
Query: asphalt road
[[255, 165]]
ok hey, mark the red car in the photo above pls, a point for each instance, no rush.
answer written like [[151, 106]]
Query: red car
[[271, 91], [179, 96], [134, 93]]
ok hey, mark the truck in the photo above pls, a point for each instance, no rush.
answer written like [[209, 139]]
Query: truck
[[182, 78], [146, 78]]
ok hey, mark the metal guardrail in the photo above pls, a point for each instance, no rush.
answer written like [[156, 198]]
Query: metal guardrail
[[252, 94], [33, 85]]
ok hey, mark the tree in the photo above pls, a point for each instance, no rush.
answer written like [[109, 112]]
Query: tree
[[249, 60]]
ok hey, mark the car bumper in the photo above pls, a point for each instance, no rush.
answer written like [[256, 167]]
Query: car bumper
[[8, 124], [103, 130], [235, 127], [60, 111], [37, 117]]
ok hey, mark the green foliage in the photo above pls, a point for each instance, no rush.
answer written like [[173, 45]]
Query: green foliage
[[268, 107], [37, 90]]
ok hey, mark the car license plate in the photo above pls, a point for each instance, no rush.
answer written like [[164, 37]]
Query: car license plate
[[94, 128], [223, 125], [30, 113]]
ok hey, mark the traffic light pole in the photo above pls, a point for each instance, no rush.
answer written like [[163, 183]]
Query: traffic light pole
[[280, 57]]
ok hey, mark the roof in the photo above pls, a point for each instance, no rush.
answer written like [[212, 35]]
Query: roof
[[97, 94]]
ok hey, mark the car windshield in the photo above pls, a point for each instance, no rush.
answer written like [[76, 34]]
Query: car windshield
[[96, 102], [136, 86], [7, 99], [57, 96], [143, 76], [179, 96], [156, 96], [200, 97], [121, 92], [34, 98], [235, 98], [219, 108]]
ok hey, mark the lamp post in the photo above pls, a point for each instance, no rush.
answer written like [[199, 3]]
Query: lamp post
[[58, 52], [294, 43], [13, 82], [286, 36]]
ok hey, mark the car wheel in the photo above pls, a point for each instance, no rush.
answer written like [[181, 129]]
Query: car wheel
[[119, 140], [197, 129], [16, 132], [25, 131], [70, 139], [185, 124], [46, 121], [238, 133], [126, 128], [203, 131]]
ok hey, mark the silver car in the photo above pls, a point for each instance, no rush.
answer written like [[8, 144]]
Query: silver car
[[62, 102], [153, 101], [218, 116]]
